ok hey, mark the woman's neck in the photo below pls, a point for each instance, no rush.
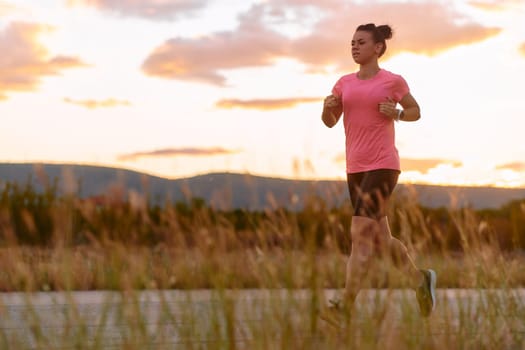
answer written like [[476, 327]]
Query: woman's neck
[[367, 71]]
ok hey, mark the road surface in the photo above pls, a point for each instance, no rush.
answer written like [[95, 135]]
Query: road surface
[[209, 319]]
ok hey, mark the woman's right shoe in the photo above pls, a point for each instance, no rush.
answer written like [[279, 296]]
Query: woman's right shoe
[[426, 293]]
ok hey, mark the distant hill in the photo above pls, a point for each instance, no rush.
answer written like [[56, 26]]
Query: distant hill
[[230, 190]]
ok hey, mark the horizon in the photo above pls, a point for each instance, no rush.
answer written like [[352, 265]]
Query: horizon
[[143, 172], [177, 89]]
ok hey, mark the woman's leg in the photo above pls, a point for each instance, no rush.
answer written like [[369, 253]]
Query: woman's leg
[[370, 193], [423, 281], [380, 184], [363, 233], [363, 230], [398, 252]]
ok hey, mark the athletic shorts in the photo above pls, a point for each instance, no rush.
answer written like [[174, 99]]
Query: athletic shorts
[[370, 191]]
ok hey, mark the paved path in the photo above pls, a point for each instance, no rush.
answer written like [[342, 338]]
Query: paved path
[[239, 319]]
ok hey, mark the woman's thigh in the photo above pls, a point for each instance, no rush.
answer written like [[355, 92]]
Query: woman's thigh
[[370, 191]]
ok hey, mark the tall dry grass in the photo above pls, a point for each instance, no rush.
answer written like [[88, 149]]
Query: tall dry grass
[[126, 246]]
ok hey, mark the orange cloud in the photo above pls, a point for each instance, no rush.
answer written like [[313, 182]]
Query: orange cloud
[[175, 152], [427, 28], [340, 158], [24, 62], [265, 104], [424, 165], [495, 5], [423, 28], [409, 164], [92, 104], [153, 9], [202, 59], [516, 166], [6, 8]]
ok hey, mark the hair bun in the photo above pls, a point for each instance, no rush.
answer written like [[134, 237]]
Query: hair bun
[[385, 30]]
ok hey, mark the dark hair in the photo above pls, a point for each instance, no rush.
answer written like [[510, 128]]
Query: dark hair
[[380, 33]]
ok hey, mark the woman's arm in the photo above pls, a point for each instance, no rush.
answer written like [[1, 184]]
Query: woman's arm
[[332, 110], [410, 111]]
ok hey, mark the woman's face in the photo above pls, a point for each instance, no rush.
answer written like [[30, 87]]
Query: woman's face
[[364, 50]]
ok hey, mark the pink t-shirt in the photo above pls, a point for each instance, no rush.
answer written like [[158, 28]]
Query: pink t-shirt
[[370, 135]]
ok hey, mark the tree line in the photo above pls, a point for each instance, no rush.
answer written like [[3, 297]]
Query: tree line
[[46, 218]]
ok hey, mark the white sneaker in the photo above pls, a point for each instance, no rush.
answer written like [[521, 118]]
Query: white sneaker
[[426, 293]]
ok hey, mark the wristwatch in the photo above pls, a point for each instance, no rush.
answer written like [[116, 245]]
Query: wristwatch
[[400, 115]]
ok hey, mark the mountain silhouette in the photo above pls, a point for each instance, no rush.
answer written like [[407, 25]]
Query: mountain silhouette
[[232, 190]]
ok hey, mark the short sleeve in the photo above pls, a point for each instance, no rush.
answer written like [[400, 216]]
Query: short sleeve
[[337, 90], [400, 88]]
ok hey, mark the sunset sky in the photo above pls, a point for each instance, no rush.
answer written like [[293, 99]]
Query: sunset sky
[[177, 88]]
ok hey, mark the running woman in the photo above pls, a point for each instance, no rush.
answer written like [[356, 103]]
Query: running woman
[[368, 101]]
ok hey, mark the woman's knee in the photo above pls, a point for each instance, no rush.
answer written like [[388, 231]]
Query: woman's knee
[[364, 232], [363, 226], [363, 251]]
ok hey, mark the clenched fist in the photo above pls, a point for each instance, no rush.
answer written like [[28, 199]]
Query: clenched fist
[[332, 101]]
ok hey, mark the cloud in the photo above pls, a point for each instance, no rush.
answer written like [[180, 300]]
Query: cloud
[[265, 104], [411, 164], [522, 49], [92, 104], [424, 165], [151, 9], [340, 158], [6, 8], [495, 5], [427, 28], [24, 62], [202, 59], [176, 152], [516, 166], [423, 28]]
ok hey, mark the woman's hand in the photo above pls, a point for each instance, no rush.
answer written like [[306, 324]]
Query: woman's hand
[[388, 108], [332, 101], [332, 110]]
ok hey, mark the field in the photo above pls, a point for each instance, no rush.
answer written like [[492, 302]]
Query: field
[[52, 243]]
